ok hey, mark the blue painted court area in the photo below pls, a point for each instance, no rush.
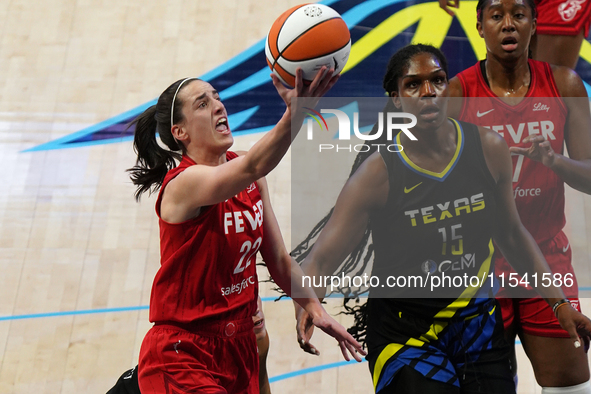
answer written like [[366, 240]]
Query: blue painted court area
[[306, 371], [378, 29]]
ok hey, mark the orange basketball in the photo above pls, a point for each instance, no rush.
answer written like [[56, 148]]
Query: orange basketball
[[308, 36]]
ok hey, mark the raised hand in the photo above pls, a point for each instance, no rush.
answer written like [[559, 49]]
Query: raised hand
[[540, 150], [304, 330], [447, 5], [321, 84]]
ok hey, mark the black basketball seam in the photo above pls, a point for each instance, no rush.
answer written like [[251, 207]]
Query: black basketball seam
[[318, 57], [301, 34], [278, 33], [305, 80], [306, 59], [286, 72]]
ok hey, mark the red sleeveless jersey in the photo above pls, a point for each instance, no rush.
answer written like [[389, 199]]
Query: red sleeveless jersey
[[208, 268], [538, 191]]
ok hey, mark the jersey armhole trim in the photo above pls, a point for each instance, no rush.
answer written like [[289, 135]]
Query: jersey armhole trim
[[200, 214], [554, 87]]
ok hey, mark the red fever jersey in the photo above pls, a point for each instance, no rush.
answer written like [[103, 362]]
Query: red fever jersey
[[538, 191], [208, 268]]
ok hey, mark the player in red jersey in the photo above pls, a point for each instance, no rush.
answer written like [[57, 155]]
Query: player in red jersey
[[214, 215], [562, 25], [544, 115], [128, 382]]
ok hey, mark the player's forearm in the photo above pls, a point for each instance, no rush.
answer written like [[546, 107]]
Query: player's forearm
[[576, 173], [303, 291], [288, 275], [270, 149], [307, 287], [522, 252]]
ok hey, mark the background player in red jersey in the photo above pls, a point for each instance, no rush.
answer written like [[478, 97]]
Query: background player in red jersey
[[507, 27], [214, 215], [562, 25]]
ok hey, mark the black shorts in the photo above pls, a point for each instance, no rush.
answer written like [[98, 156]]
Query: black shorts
[[462, 356], [127, 383]]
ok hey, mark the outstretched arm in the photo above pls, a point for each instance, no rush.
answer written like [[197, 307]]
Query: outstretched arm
[[517, 245], [204, 185], [364, 192], [287, 273]]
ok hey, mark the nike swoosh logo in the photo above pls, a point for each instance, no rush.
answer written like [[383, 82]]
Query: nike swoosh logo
[[566, 248], [411, 189], [336, 65], [481, 114]]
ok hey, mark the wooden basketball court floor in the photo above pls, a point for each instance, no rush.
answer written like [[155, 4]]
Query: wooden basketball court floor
[[77, 253]]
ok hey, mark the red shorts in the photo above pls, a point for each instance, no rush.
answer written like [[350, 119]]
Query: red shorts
[[218, 358], [563, 17], [534, 316], [558, 254]]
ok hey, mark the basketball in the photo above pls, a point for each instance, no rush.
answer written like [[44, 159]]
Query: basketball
[[308, 36]]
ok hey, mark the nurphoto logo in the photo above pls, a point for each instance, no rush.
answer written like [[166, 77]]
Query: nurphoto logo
[[344, 131]]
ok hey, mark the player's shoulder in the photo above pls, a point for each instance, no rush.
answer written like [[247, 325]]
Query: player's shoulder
[[456, 92], [568, 82], [467, 74], [491, 139], [465, 80], [455, 87]]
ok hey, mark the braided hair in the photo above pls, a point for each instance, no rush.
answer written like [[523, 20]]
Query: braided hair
[[357, 262]]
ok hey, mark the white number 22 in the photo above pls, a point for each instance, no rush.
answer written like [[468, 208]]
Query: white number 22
[[247, 249]]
